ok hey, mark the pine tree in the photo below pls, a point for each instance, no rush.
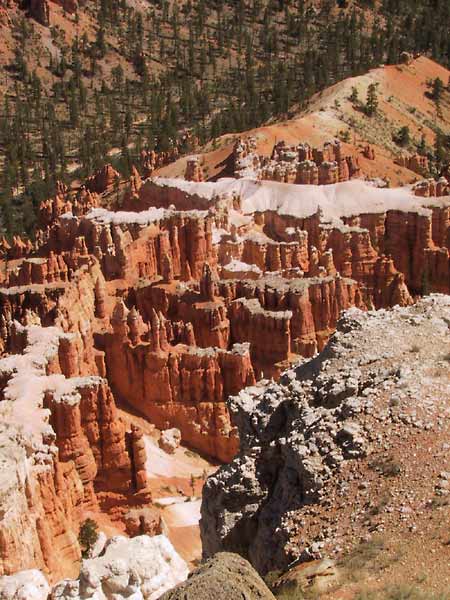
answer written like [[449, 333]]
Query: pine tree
[[100, 42], [87, 536], [422, 146], [437, 89], [74, 110], [440, 154], [403, 136], [371, 107], [354, 95], [128, 122]]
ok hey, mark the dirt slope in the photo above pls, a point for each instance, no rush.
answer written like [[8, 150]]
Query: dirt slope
[[403, 101]]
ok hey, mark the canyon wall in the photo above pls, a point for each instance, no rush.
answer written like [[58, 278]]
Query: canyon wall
[[304, 478], [136, 245], [177, 385], [60, 436], [195, 292]]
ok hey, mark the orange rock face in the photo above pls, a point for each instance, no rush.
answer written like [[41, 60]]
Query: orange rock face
[[175, 385], [40, 11], [78, 204], [430, 188], [103, 179], [124, 253], [415, 162], [289, 318], [89, 433], [194, 170], [193, 292], [300, 164], [71, 442]]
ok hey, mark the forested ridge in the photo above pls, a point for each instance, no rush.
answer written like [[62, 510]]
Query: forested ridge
[[140, 75]]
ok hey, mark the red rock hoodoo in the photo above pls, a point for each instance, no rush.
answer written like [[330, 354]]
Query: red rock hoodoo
[[192, 292]]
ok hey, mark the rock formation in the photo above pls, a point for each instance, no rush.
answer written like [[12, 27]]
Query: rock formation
[[138, 456], [141, 567], [103, 179], [194, 171], [228, 576], [179, 386], [300, 164], [415, 162], [298, 435], [77, 203], [201, 284], [60, 435], [430, 188], [170, 440], [24, 585], [312, 577], [144, 521], [152, 160], [40, 11], [192, 293]]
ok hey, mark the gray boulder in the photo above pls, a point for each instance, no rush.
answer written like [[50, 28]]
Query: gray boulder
[[226, 576]]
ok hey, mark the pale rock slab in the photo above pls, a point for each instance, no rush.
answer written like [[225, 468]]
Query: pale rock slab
[[140, 568], [24, 585]]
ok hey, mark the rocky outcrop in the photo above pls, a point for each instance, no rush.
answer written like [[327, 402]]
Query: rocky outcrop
[[291, 317], [299, 164], [150, 160], [39, 270], [415, 162], [72, 308], [138, 456], [176, 244], [316, 577], [369, 152], [144, 521], [138, 568], [170, 440], [141, 567], [228, 576], [298, 435], [24, 585], [178, 386], [189, 296], [194, 171], [283, 318], [18, 248], [161, 193], [63, 202], [60, 435], [138, 245], [105, 178], [89, 433], [406, 58], [431, 188], [293, 237], [40, 11]]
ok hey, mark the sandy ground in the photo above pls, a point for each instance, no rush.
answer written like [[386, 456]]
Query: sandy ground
[[176, 482], [182, 516]]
